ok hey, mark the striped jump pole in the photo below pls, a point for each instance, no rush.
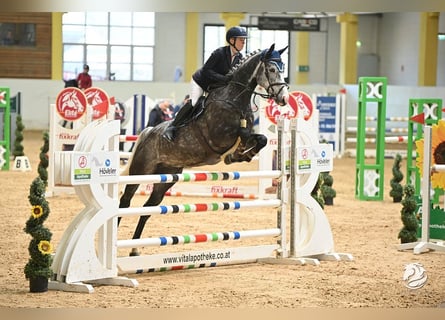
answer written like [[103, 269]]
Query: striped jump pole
[[128, 138], [372, 118], [373, 129], [198, 238], [124, 155], [208, 195], [199, 207], [395, 139], [198, 176], [438, 168]]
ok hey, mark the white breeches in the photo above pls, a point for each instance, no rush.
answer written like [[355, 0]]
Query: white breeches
[[195, 92]]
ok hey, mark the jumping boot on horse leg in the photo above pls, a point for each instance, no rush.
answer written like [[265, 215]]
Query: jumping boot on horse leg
[[180, 119]]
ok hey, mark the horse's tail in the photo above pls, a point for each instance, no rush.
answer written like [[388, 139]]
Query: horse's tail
[[126, 170]]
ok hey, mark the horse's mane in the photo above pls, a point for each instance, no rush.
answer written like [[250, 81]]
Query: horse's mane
[[244, 60]]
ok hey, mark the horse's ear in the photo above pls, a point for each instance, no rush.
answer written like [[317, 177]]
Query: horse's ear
[[282, 50], [267, 54]]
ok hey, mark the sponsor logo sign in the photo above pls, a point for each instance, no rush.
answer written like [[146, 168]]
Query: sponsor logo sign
[[71, 103]]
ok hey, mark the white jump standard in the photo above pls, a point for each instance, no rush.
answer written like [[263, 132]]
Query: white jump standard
[[87, 253]]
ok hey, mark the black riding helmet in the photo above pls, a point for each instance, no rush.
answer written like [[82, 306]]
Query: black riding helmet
[[235, 32]]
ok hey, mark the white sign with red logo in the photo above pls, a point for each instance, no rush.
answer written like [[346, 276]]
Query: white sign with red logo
[[71, 103], [316, 158], [100, 102], [95, 167], [298, 102]]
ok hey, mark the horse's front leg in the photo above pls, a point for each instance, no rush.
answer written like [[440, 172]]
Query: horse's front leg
[[247, 149]]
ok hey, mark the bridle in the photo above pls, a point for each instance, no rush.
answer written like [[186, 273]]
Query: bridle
[[270, 93], [269, 89]]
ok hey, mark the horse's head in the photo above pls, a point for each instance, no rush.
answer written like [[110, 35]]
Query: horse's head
[[269, 75]]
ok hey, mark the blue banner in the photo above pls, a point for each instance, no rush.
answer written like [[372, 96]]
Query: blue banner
[[327, 107]]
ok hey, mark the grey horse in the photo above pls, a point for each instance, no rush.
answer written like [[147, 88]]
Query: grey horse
[[221, 130]]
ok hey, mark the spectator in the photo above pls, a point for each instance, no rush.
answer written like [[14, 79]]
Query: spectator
[[179, 106], [161, 112], [84, 79]]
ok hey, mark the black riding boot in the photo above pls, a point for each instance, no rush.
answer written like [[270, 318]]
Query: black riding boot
[[180, 119]]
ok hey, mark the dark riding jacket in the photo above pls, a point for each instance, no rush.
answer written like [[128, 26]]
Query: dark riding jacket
[[157, 116], [216, 67]]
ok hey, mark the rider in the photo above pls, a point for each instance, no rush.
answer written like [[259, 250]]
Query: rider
[[213, 71]]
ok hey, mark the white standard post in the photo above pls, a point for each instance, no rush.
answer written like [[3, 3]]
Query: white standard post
[[293, 175], [426, 185], [283, 191]]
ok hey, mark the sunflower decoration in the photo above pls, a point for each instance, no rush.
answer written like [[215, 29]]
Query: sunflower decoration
[[36, 211], [437, 154], [45, 247], [40, 248]]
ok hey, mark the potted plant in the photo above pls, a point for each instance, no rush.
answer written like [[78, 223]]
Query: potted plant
[[18, 146], [326, 189], [408, 233], [38, 269], [396, 188], [316, 193], [43, 164]]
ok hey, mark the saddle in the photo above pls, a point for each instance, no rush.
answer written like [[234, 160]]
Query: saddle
[[200, 104], [194, 113], [199, 108]]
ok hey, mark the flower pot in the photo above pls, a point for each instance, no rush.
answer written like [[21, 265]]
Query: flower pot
[[329, 201], [38, 284]]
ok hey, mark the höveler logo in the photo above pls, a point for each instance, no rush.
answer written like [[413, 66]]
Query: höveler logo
[[71, 103], [298, 102], [415, 276], [98, 100]]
